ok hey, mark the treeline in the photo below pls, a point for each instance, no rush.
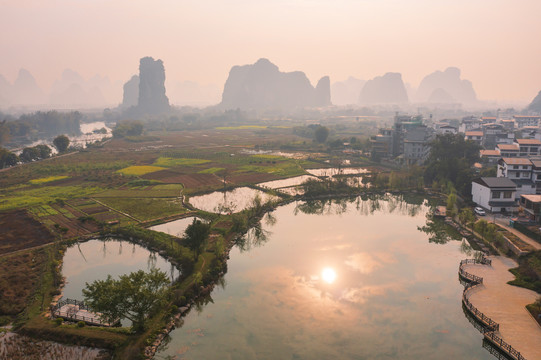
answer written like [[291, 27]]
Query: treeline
[[29, 154], [39, 124]]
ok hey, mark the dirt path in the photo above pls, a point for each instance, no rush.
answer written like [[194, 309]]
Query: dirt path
[[505, 224], [505, 304]]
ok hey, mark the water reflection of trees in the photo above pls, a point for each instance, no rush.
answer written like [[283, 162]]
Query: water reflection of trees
[[256, 236], [438, 231], [364, 204]]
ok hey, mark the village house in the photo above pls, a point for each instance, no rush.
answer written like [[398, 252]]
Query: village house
[[496, 194]]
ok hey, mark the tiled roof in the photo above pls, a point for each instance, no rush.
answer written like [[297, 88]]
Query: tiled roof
[[490, 152], [517, 161], [496, 182], [508, 147], [529, 142]]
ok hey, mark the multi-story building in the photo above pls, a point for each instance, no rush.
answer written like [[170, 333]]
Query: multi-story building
[[494, 134], [508, 150], [490, 156], [528, 147], [520, 171], [417, 145], [532, 206], [475, 135], [523, 121], [497, 194], [469, 123]]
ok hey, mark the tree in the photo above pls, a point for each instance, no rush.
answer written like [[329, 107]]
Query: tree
[[29, 154], [44, 151], [451, 159], [135, 296], [7, 158], [321, 134], [61, 142], [467, 217], [196, 236]]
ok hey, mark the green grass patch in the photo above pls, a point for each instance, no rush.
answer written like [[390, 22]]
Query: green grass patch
[[211, 170], [269, 157], [528, 272], [139, 170], [145, 209], [47, 179], [283, 169], [155, 192], [44, 195], [172, 162], [43, 210]]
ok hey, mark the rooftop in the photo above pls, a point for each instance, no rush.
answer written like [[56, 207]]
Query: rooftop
[[474, 133], [517, 161], [508, 147], [496, 182], [490, 153], [532, 198], [526, 117], [529, 142]]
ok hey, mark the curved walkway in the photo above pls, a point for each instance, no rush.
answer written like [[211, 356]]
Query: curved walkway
[[505, 304]]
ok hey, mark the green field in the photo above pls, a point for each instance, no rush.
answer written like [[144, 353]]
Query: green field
[[139, 170], [158, 191], [145, 209], [47, 179], [44, 195], [172, 162]]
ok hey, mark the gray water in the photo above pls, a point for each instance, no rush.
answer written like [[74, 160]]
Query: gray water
[[343, 280]]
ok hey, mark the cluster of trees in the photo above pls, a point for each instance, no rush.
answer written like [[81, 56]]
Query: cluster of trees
[[29, 154], [41, 124], [128, 128], [451, 159], [317, 132]]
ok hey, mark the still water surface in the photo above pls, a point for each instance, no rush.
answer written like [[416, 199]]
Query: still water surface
[[95, 259], [352, 279]]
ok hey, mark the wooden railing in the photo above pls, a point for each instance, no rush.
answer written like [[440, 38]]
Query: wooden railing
[[73, 316], [488, 326]]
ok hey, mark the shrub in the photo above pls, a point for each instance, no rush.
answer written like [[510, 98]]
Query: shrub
[[58, 321], [81, 324]]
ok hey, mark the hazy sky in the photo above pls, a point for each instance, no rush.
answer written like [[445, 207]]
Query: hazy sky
[[496, 43]]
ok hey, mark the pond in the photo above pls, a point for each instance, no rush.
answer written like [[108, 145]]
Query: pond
[[228, 201], [175, 227], [282, 183], [95, 259], [336, 171], [349, 279]]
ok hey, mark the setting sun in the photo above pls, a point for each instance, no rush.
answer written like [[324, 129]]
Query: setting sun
[[328, 275]]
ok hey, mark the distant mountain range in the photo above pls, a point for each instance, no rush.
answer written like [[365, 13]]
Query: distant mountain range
[[263, 86], [70, 91]]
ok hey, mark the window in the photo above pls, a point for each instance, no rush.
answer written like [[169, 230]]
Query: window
[[517, 174], [524, 167], [496, 194], [507, 194], [515, 166]]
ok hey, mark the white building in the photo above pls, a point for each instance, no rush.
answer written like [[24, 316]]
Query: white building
[[496, 194]]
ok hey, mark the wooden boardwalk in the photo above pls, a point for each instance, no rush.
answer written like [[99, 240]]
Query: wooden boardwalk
[[74, 310], [489, 327]]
